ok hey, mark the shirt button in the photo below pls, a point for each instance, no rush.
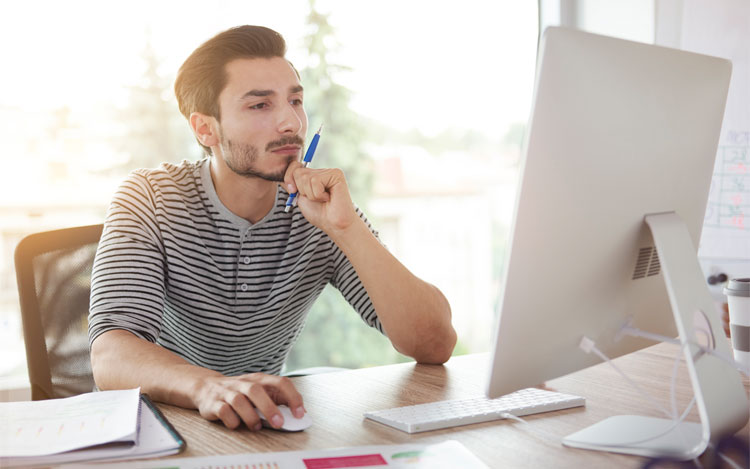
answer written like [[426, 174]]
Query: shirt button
[[243, 287], [246, 260]]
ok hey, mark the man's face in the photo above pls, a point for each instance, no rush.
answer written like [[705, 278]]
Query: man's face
[[263, 123]]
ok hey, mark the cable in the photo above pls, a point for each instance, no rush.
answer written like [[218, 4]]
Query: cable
[[632, 331], [673, 385], [538, 433], [675, 423], [588, 346], [729, 461]]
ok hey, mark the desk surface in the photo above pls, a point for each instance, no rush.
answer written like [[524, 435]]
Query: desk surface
[[336, 402]]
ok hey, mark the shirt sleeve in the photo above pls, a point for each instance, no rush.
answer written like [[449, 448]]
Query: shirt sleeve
[[346, 280], [127, 283]]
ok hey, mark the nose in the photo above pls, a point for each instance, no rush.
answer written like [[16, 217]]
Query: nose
[[291, 119]]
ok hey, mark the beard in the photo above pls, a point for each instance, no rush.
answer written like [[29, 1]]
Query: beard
[[242, 158]]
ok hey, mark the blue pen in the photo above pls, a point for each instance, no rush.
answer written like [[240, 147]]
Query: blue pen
[[305, 163]]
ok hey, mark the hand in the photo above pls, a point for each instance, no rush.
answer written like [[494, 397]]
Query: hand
[[234, 399], [725, 318], [323, 196]]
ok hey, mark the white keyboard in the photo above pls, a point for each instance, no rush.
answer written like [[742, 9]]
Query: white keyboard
[[452, 413]]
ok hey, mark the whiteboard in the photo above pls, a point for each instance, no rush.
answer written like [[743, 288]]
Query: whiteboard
[[720, 28]]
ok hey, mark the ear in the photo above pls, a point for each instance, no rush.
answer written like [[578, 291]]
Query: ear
[[205, 129]]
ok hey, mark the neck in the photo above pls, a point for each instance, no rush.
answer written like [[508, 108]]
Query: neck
[[248, 197]]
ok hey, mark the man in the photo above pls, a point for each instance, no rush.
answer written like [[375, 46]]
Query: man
[[202, 282]]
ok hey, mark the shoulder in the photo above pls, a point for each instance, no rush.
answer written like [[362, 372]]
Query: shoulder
[[168, 172], [167, 176]]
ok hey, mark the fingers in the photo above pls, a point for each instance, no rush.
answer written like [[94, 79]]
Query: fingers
[[275, 390], [282, 391], [220, 410], [231, 407], [235, 400], [725, 319], [289, 176], [314, 189], [242, 407], [314, 184]]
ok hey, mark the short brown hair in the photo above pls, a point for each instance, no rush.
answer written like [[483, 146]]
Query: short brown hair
[[203, 75]]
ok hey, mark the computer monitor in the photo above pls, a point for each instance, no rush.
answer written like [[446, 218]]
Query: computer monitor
[[621, 144]]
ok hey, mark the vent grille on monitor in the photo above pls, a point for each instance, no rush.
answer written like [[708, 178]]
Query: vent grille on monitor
[[647, 264], [654, 267]]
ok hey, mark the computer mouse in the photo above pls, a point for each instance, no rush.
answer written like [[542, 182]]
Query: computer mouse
[[291, 423]]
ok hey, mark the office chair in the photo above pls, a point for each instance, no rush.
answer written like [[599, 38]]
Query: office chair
[[53, 272]]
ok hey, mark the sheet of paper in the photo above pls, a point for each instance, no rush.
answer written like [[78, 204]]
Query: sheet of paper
[[154, 440], [446, 455], [35, 428]]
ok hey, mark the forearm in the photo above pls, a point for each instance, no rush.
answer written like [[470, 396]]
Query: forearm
[[120, 360], [415, 315]]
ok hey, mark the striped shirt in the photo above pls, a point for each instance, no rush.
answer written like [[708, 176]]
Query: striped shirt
[[177, 268]]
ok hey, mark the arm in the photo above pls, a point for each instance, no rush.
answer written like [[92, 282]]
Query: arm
[[120, 360], [415, 315], [127, 301]]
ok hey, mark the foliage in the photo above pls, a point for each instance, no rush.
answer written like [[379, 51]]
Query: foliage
[[327, 103], [155, 132], [469, 141], [334, 334]]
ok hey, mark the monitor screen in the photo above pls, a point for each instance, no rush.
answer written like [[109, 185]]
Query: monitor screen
[[619, 130]]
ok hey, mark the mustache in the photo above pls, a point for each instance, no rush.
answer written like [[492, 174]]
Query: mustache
[[290, 140]]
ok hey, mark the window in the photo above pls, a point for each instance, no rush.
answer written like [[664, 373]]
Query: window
[[427, 99]]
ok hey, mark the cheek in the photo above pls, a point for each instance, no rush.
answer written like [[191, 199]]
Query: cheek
[[242, 129], [302, 117]]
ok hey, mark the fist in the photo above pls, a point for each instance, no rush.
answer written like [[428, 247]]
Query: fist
[[322, 196]]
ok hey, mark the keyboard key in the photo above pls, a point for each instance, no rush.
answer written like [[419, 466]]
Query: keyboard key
[[453, 413]]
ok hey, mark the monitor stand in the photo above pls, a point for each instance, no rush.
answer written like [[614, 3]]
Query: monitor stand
[[719, 392]]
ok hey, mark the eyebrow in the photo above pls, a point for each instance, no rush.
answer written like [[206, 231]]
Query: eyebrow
[[263, 93]]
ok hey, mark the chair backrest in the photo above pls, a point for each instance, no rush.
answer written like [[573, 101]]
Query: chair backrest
[[53, 272]]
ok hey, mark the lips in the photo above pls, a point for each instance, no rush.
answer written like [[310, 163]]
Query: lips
[[287, 150]]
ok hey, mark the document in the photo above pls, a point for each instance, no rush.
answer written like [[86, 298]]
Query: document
[[109, 412], [446, 455], [36, 428]]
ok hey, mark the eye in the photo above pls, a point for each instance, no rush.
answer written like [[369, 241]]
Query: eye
[[296, 102], [259, 106]]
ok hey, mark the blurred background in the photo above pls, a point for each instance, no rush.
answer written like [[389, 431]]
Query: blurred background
[[424, 104]]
